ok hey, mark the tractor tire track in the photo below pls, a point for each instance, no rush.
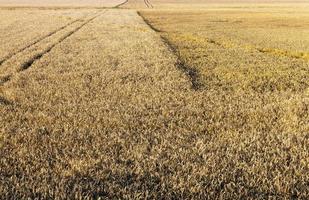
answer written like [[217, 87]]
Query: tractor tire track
[[39, 40], [191, 72], [146, 3], [49, 35], [121, 4], [149, 4], [5, 79], [28, 62], [4, 101]]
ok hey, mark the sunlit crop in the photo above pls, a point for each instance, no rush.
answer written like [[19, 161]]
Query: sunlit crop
[[179, 102]]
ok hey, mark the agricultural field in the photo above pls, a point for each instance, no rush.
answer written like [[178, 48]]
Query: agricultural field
[[154, 99], [60, 3], [21, 29], [254, 69]]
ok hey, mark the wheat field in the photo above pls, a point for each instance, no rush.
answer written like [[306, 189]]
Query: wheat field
[[154, 99]]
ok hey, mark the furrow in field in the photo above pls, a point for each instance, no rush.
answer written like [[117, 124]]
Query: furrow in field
[[26, 58]]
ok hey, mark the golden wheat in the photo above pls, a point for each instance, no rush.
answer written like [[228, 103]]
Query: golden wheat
[[212, 105]]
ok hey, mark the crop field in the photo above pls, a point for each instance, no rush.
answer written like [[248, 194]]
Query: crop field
[[255, 70], [154, 99], [60, 3], [24, 29]]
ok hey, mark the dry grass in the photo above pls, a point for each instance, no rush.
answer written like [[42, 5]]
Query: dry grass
[[111, 111]]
